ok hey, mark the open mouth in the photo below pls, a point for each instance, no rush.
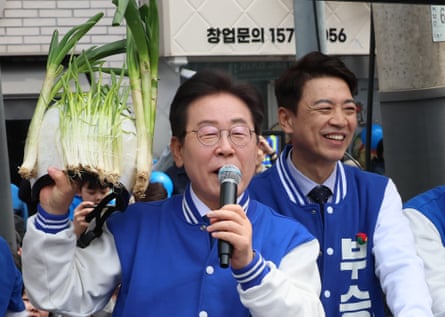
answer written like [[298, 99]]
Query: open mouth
[[335, 137], [216, 171]]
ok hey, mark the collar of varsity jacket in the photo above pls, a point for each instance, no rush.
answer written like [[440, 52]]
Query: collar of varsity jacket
[[293, 191], [191, 212]]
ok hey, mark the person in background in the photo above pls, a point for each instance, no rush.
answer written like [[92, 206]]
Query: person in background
[[31, 311], [264, 149], [426, 215], [19, 206], [179, 177], [19, 226], [162, 179], [91, 193], [177, 174], [160, 187], [25, 195], [378, 161], [155, 191], [366, 243], [11, 303], [164, 161], [165, 253]]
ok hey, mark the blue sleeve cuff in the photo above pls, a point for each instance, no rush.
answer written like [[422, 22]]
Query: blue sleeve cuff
[[50, 223], [252, 274]]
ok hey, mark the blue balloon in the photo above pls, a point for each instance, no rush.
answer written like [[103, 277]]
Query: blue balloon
[[164, 179], [376, 135]]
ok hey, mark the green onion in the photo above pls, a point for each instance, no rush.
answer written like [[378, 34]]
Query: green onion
[[90, 124], [57, 52], [142, 62], [94, 125]]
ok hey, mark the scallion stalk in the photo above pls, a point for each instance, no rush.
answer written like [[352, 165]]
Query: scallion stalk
[[57, 52], [142, 62], [90, 126]]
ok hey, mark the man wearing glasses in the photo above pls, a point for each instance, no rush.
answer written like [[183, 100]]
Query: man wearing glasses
[[164, 253]]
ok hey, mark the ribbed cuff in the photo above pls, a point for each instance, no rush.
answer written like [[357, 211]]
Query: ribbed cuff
[[50, 223], [252, 274]]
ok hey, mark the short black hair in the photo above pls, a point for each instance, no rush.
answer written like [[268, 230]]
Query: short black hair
[[92, 181], [208, 82], [289, 86]]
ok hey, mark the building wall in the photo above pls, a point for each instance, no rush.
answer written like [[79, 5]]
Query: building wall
[[26, 26]]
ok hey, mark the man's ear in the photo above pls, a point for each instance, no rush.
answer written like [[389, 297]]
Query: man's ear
[[285, 118], [176, 150]]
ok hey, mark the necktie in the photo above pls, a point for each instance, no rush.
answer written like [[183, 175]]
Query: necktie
[[320, 194], [206, 220]]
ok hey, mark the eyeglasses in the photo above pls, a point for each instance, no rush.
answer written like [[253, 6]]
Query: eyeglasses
[[209, 135]]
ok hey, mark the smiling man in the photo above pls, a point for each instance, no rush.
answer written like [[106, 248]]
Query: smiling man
[[366, 243]]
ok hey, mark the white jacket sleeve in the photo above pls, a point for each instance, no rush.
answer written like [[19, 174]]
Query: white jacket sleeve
[[61, 277], [398, 267], [293, 289], [431, 249]]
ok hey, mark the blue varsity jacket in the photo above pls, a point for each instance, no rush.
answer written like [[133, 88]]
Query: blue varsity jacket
[[170, 264], [349, 283]]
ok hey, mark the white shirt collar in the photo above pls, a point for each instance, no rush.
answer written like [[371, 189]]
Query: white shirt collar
[[304, 182]]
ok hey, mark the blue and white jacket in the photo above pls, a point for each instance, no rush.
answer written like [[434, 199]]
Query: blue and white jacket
[[432, 205], [426, 213], [353, 272], [168, 265]]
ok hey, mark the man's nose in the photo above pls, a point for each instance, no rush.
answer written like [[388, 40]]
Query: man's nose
[[225, 144], [339, 117]]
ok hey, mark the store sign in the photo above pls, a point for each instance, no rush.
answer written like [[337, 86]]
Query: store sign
[[227, 28], [243, 35], [256, 27]]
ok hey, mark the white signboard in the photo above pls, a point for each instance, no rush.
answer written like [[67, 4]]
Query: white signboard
[[256, 27], [229, 27], [347, 27], [438, 23]]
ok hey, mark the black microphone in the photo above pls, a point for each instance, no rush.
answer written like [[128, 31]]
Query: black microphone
[[229, 177]]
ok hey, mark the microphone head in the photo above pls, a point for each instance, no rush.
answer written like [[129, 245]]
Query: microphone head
[[229, 173]]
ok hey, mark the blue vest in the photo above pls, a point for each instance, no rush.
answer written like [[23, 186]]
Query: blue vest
[[349, 284], [432, 204], [170, 264]]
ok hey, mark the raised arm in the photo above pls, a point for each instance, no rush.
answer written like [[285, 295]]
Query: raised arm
[[58, 275]]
